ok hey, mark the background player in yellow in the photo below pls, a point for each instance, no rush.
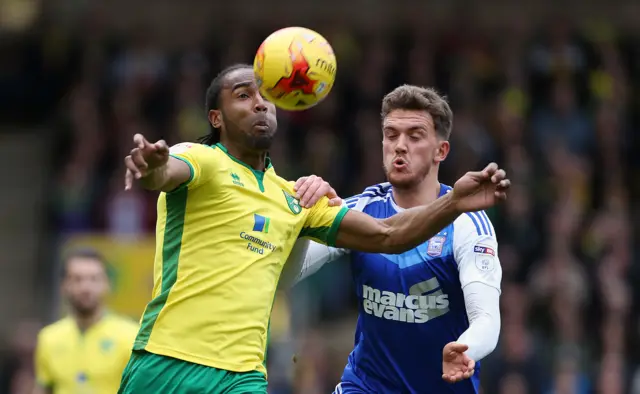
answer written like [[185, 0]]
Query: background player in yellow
[[226, 225], [87, 351]]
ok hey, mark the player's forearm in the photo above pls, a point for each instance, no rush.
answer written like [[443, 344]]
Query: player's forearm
[[156, 179], [317, 255], [306, 259], [483, 310], [414, 226], [167, 177]]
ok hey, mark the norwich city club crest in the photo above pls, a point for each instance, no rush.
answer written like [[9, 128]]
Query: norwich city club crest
[[293, 203]]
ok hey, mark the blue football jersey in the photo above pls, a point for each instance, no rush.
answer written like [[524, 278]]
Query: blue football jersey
[[411, 304]]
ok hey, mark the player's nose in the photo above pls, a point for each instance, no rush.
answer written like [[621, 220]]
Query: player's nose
[[401, 144], [259, 105]]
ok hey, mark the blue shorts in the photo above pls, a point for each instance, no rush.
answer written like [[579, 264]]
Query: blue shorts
[[350, 383], [358, 383], [349, 388]]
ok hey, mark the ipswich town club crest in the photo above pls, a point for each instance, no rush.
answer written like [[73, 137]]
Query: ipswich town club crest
[[435, 244]]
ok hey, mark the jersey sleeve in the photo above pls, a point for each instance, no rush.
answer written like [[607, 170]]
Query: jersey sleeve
[[483, 311], [316, 256], [198, 157], [322, 222], [475, 249], [42, 363], [306, 258]]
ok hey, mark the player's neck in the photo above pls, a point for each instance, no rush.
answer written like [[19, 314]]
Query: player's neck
[[85, 322], [254, 159], [423, 193]]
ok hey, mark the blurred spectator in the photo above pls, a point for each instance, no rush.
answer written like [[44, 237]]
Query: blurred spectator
[[562, 122], [17, 374]]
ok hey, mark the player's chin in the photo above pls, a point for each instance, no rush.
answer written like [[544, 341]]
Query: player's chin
[[261, 141], [400, 179], [84, 308]]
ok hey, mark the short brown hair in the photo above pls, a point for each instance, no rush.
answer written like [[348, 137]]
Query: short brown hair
[[411, 97], [84, 253]]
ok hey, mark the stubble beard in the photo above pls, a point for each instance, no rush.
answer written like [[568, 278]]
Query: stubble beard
[[259, 142], [406, 182]]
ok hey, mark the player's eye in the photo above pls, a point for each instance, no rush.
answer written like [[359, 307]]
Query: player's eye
[[414, 137], [390, 135], [243, 95]]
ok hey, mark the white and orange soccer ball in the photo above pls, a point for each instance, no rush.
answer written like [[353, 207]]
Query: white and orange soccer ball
[[295, 68]]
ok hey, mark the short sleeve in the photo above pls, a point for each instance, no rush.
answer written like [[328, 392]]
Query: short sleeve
[[198, 157], [475, 249], [322, 222], [42, 365]]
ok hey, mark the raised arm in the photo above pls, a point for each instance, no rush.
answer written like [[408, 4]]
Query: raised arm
[[473, 192], [153, 166], [398, 233]]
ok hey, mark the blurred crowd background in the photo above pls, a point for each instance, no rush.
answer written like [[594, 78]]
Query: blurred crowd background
[[554, 96]]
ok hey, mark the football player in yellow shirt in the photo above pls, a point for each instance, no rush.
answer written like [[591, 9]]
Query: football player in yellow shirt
[[226, 226], [87, 351]]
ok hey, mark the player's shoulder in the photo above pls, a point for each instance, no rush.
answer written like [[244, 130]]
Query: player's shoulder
[[195, 154], [286, 193], [474, 223], [59, 329], [473, 231], [122, 322], [471, 223], [371, 194], [189, 148], [121, 326], [286, 185]]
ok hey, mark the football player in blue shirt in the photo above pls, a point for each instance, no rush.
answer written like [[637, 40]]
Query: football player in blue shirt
[[427, 316]]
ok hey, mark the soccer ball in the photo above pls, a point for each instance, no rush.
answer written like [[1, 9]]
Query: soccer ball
[[295, 68]]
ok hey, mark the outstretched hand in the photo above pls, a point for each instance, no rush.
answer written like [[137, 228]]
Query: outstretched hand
[[456, 365], [480, 190], [144, 158]]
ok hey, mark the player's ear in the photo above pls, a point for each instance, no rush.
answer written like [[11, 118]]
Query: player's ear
[[442, 151], [215, 118]]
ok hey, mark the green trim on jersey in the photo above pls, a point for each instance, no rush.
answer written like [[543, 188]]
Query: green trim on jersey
[[327, 235], [335, 226], [258, 174], [192, 173], [171, 246]]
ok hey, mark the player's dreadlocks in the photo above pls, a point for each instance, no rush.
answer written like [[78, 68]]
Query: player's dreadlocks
[[213, 101]]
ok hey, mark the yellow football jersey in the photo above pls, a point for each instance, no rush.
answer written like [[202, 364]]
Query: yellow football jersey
[[221, 242], [73, 362]]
